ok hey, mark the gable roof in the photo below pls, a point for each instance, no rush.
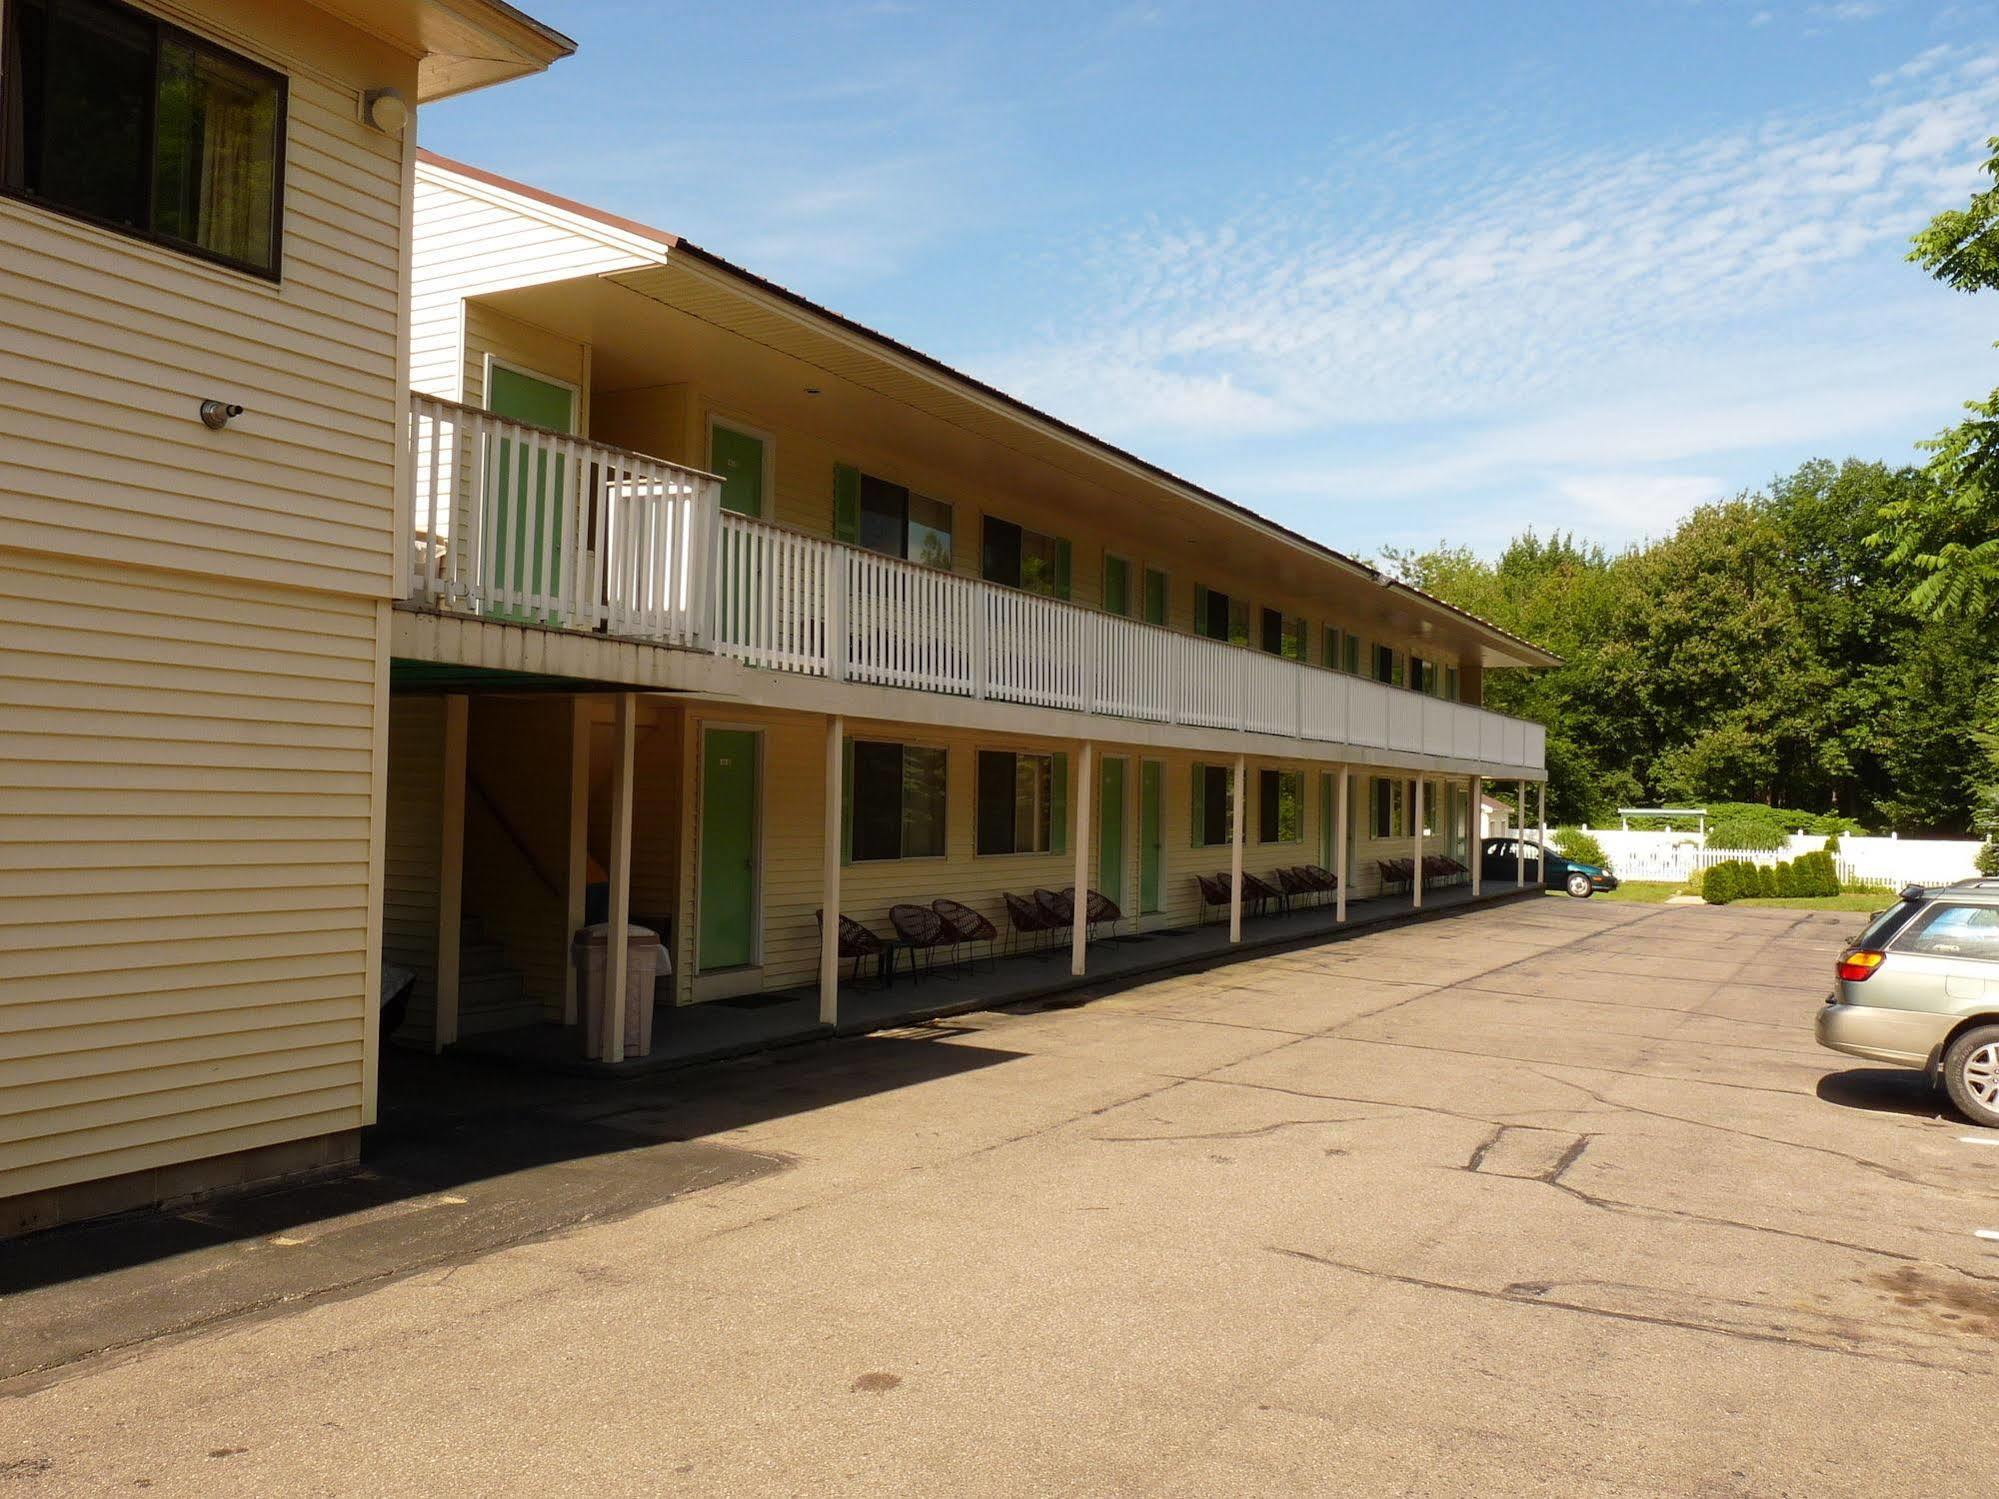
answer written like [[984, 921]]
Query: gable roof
[[680, 246]]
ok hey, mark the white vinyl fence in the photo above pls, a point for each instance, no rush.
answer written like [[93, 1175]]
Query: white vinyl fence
[[1879, 861]]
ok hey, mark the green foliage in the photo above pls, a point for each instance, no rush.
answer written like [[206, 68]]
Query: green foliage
[[1730, 880], [1745, 832], [1786, 879], [1814, 874], [1947, 539], [1988, 857], [1763, 653], [1573, 843]]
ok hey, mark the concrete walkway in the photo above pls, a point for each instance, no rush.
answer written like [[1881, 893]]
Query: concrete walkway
[[1554, 1199], [684, 1035]]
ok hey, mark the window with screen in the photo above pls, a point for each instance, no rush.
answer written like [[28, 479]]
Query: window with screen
[[896, 801]]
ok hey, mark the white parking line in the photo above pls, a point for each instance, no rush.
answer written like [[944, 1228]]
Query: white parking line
[[1980, 1139], [1986, 1233]]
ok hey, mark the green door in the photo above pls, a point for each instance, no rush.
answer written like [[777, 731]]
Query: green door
[[523, 538], [1151, 834], [728, 890], [1117, 585], [739, 459], [1110, 834]]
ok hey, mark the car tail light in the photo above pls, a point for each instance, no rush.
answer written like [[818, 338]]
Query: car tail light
[[1857, 967]]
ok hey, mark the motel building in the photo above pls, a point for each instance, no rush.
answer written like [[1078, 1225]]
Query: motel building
[[406, 570]]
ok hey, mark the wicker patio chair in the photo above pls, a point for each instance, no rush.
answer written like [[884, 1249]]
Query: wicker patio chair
[[857, 943], [922, 930], [1295, 884], [1323, 877], [1025, 918], [1214, 892], [1058, 906], [1101, 910], [1259, 892], [969, 927]]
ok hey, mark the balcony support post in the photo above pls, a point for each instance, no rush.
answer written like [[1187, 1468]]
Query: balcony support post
[[450, 873], [624, 736], [1520, 839], [1237, 813], [1416, 827], [837, 605], [1342, 865], [829, 877], [576, 869], [1475, 833], [1542, 802], [1079, 912]]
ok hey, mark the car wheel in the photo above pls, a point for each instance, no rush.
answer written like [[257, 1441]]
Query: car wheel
[[1579, 886], [1971, 1074]]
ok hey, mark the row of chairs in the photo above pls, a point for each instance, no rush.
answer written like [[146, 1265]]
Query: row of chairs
[[1401, 873], [922, 930], [1297, 882], [1045, 913]]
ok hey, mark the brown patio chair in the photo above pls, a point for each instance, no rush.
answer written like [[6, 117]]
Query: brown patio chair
[[969, 927], [1295, 884], [857, 943], [1101, 910], [1393, 871], [1258, 892], [1214, 892], [1323, 877], [1060, 909], [922, 930], [1025, 918]]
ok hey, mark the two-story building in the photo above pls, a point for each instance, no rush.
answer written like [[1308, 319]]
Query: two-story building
[[205, 215], [734, 612]]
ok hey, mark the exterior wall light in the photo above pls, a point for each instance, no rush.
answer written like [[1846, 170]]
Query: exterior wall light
[[386, 109], [215, 415]]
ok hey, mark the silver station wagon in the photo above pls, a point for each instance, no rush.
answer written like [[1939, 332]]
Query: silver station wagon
[[1920, 987]]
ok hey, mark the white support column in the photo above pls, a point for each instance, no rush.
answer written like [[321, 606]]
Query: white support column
[[576, 872], [829, 875], [1475, 834], [1520, 839], [1416, 827], [1342, 865], [1079, 915], [1239, 808], [1542, 802], [624, 734], [450, 874]]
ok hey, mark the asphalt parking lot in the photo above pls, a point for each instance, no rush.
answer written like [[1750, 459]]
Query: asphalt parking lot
[[1553, 1198]]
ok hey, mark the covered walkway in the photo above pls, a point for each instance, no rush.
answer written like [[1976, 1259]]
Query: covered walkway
[[687, 1034]]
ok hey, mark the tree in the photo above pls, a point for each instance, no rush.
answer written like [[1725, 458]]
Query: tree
[[1949, 539]]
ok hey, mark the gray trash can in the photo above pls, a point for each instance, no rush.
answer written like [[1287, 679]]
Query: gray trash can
[[591, 951]]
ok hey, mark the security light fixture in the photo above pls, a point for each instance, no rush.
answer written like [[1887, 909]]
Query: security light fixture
[[386, 109]]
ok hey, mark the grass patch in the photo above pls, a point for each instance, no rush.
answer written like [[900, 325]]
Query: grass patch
[[1858, 901], [1646, 892]]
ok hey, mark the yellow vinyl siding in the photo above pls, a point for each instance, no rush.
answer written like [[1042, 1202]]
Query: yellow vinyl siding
[[525, 347], [114, 343], [184, 866]]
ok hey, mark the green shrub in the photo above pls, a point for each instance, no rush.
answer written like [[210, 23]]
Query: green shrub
[[1746, 832], [1786, 879], [1816, 874], [1730, 880], [1988, 857], [1832, 842], [1574, 843]]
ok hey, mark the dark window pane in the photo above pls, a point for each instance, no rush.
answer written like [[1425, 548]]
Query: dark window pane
[[922, 802], [1215, 804], [1267, 820], [996, 774], [1155, 597], [85, 145], [1216, 625], [929, 532], [877, 808], [1273, 632], [884, 512], [216, 154], [1039, 558], [1001, 561]]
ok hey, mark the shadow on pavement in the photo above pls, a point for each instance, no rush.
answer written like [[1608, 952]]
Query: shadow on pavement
[[1886, 1090], [467, 1158]]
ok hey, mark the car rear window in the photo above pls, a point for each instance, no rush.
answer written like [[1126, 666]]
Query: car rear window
[[1950, 930], [1883, 927]]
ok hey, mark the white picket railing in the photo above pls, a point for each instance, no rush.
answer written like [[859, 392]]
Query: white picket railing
[[788, 601], [520, 523]]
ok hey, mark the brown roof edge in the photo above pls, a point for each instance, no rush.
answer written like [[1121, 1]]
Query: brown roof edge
[[936, 366]]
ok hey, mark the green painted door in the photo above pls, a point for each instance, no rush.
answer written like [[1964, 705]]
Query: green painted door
[[738, 459], [523, 537], [728, 891], [1151, 834], [1111, 828]]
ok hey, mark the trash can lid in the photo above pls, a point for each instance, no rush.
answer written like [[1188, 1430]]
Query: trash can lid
[[601, 933]]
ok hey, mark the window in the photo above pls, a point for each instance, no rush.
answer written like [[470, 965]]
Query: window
[[126, 121], [1386, 667], [1350, 657], [1220, 617], [1423, 675], [1952, 931], [1451, 688], [1021, 558], [1117, 584], [1213, 806], [1390, 808], [1155, 596], [1330, 653], [891, 520], [895, 801], [1280, 806], [1283, 635], [1022, 803]]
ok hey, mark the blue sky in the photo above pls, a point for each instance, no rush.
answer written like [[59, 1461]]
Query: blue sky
[[1391, 273]]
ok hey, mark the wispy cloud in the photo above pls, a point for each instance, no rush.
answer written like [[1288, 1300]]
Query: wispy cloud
[[1686, 274]]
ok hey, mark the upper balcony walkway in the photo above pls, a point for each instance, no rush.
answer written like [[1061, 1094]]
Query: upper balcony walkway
[[526, 526]]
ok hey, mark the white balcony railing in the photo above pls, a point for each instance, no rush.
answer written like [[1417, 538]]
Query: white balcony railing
[[527, 525], [530, 526], [792, 602]]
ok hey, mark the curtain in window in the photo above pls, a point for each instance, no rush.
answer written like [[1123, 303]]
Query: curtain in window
[[215, 153]]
